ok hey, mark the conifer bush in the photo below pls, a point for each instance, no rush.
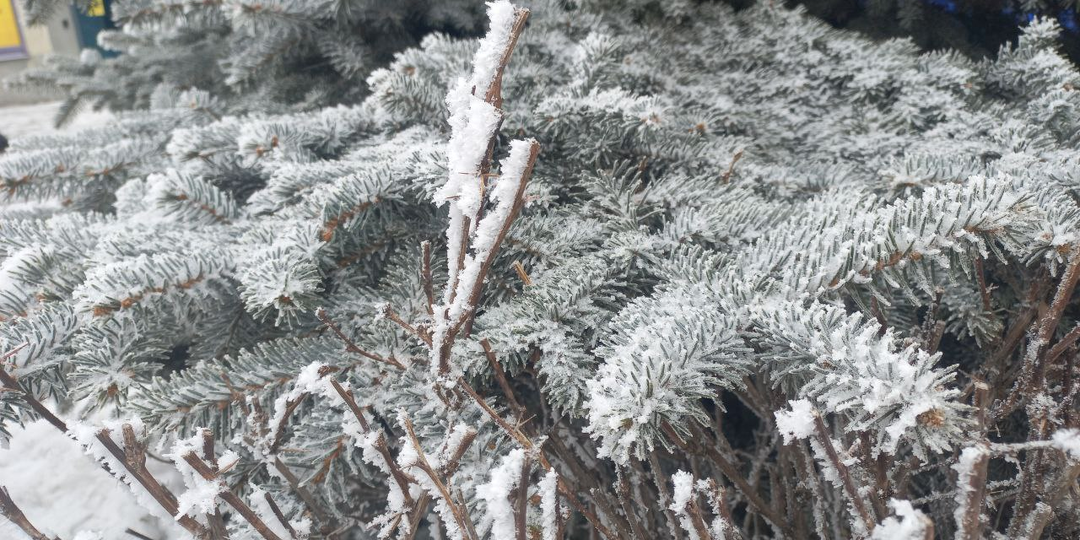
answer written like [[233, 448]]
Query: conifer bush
[[616, 270]]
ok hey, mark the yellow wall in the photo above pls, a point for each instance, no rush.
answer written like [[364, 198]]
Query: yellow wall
[[9, 26], [57, 36]]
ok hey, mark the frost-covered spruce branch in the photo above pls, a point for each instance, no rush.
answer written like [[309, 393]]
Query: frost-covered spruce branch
[[766, 279]]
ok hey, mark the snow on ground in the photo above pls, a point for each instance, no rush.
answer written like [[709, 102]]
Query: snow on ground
[[57, 486], [37, 119]]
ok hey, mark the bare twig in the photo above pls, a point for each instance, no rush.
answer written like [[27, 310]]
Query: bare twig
[[485, 267], [721, 510], [393, 316], [11, 511], [1066, 341], [726, 178], [969, 523], [229, 497], [732, 473], [1041, 518], [522, 274], [474, 289], [494, 93], [1047, 325], [460, 515], [665, 499], [402, 478], [425, 276], [277, 514], [493, 96], [875, 309], [350, 345], [698, 521], [136, 534], [500, 377], [528, 445], [623, 493], [304, 494], [522, 499], [845, 474], [134, 464], [418, 513]]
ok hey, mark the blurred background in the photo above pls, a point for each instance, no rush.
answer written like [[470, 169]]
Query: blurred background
[[63, 32], [35, 33]]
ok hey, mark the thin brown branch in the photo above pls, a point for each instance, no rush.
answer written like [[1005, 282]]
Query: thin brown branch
[[460, 515], [304, 494], [472, 534], [875, 309], [522, 274], [279, 432], [8, 382], [528, 445], [494, 92], [510, 430], [1066, 482], [136, 534], [393, 316], [733, 475], [969, 523], [350, 345], [452, 464], [136, 466], [485, 267], [726, 177], [425, 276], [1047, 326], [280, 516], [622, 528], [521, 499], [981, 401], [622, 491], [1064, 343], [402, 478], [418, 513], [160, 494], [11, 511], [500, 377], [493, 95], [229, 497], [696, 519], [665, 499], [720, 508], [845, 474]]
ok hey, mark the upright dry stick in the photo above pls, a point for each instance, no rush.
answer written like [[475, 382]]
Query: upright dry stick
[[1047, 325], [1031, 383], [968, 518], [845, 474], [460, 298]]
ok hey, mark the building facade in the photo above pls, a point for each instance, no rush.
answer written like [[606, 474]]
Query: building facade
[[66, 32]]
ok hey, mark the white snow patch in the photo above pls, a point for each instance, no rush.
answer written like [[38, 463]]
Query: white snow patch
[[911, 524], [798, 423]]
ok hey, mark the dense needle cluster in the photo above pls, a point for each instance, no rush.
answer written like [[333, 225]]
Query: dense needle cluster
[[617, 270]]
